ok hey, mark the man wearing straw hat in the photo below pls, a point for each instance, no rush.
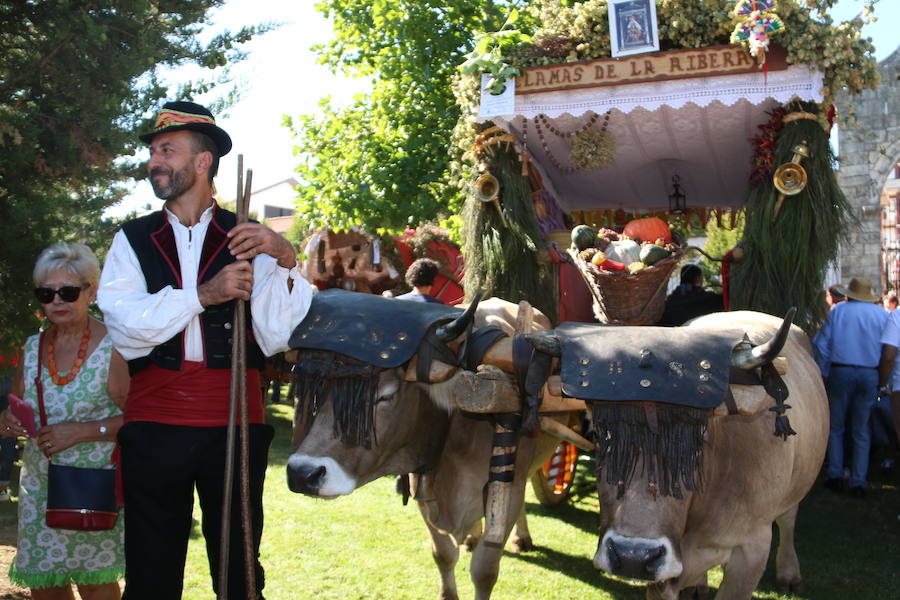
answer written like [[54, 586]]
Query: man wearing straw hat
[[167, 293], [848, 350]]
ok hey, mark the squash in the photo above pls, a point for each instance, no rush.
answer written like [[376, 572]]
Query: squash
[[648, 230], [652, 254], [588, 254], [635, 267], [584, 237], [624, 251]]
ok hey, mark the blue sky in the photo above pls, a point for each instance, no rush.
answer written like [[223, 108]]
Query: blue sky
[[281, 77]]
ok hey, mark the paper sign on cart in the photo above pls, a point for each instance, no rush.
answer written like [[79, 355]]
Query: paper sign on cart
[[500, 105]]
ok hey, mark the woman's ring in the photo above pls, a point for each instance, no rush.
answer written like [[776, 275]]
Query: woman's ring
[[48, 445]]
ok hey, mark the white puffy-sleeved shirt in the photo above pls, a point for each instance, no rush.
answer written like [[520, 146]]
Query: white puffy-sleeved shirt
[[138, 321]]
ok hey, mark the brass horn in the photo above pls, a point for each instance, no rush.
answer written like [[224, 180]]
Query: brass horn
[[790, 178], [487, 189]]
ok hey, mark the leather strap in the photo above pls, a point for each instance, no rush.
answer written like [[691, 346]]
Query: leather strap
[[478, 342], [39, 385], [730, 403], [532, 369], [433, 347]]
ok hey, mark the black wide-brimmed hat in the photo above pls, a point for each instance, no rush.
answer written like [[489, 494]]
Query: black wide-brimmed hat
[[177, 116]]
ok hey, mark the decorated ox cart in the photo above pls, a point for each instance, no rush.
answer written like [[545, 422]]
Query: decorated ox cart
[[636, 147], [699, 129]]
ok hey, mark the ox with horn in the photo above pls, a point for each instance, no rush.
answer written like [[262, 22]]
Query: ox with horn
[[347, 339], [652, 390]]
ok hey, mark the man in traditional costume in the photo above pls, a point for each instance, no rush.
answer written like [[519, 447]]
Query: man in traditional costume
[[167, 292]]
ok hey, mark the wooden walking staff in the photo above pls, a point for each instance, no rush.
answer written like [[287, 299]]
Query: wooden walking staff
[[238, 397]]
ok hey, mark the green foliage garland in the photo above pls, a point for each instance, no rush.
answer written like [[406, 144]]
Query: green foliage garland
[[503, 260], [569, 32], [785, 259]]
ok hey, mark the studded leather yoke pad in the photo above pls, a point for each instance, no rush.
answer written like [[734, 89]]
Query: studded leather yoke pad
[[380, 331], [672, 365]]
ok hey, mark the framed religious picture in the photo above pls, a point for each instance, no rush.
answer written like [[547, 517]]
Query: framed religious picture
[[632, 27]]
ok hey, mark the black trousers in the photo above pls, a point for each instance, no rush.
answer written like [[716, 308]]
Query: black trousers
[[161, 466]]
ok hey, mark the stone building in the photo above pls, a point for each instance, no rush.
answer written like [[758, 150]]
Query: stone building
[[868, 174]]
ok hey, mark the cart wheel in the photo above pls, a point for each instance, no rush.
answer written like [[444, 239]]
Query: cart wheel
[[553, 482]]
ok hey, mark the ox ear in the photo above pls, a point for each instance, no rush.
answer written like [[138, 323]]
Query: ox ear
[[545, 341], [455, 328], [751, 358]]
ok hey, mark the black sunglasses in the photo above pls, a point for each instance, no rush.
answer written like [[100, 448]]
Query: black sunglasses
[[67, 293]]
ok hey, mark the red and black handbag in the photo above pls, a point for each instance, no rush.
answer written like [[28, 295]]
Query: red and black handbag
[[78, 498]]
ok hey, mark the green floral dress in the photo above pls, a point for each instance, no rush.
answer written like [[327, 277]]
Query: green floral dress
[[47, 557]]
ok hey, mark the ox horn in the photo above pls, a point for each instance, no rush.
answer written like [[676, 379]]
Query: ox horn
[[760, 355], [457, 326], [545, 341]]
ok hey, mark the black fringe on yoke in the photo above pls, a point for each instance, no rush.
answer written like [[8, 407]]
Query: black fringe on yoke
[[669, 438], [350, 384]]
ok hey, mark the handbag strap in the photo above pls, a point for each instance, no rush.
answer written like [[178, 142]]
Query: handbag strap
[[39, 385]]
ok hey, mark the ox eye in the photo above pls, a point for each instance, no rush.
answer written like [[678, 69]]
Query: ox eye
[[387, 389]]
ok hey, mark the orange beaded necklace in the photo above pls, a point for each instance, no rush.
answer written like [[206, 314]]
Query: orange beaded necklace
[[79, 360]]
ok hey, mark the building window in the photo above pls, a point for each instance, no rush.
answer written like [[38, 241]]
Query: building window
[[276, 211]]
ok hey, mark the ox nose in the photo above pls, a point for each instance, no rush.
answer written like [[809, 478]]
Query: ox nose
[[636, 559], [304, 478]]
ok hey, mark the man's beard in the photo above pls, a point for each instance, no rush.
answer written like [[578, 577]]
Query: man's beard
[[179, 182]]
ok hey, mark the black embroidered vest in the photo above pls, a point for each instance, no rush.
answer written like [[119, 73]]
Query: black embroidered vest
[[153, 241]]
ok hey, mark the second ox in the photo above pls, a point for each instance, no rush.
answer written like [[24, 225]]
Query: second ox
[[685, 483]]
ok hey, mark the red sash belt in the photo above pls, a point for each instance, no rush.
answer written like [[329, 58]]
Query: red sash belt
[[195, 396]]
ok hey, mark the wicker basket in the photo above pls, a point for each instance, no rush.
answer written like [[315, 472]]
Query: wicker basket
[[627, 298]]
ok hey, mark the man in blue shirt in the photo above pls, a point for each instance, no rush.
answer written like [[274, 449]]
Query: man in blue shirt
[[420, 276], [848, 350]]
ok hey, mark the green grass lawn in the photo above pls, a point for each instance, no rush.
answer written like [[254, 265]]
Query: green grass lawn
[[369, 545]]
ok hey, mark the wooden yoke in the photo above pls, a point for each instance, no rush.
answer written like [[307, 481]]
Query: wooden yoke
[[504, 449]]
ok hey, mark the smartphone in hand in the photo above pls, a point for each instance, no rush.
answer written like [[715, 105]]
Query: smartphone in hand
[[23, 412]]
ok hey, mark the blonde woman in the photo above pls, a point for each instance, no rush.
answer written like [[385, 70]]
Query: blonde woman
[[85, 383]]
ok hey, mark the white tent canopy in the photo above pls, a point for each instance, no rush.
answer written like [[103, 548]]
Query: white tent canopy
[[698, 129]]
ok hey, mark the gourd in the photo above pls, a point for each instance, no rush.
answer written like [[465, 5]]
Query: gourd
[[635, 267], [652, 254], [648, 229], [624, 251], [583, 237]]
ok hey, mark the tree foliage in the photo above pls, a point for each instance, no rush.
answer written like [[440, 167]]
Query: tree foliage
[[383, 162], [78, 80]]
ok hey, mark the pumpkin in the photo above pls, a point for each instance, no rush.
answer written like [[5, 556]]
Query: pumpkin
[[648, 229]]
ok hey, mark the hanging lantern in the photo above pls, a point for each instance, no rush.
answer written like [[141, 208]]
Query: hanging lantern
[[677, 199]]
